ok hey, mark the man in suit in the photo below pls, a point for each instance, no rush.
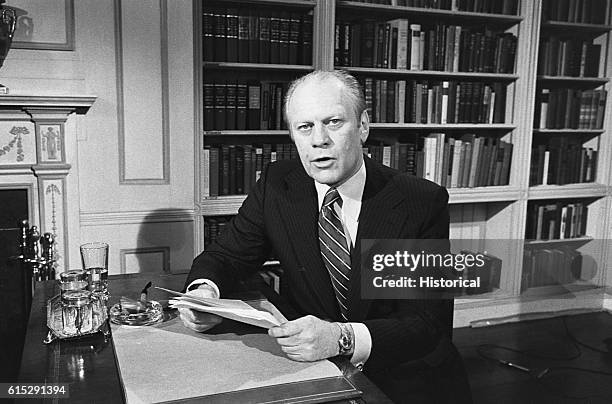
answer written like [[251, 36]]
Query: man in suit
[[313, 216]]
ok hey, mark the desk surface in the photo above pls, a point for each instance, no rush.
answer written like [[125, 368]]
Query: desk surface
[[89, 364]]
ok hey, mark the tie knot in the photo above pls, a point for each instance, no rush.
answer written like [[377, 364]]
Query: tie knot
[[332, 196]]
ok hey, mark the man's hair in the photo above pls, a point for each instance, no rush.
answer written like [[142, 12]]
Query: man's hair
[[352, 89]]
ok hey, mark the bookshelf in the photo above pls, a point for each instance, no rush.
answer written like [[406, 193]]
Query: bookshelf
[[571, 117], [484, 215]]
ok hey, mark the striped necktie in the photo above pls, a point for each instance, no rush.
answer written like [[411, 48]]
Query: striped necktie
[[334, 248]]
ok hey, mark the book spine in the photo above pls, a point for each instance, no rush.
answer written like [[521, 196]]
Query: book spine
[[243, 37], [231, 37], [241, 105], [415, 45]]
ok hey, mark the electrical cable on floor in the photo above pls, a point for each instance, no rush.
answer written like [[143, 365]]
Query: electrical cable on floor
[[540, 374]]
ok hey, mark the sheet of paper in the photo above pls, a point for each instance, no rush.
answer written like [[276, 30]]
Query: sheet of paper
[[233, 309], [251, 316], [170, 362]]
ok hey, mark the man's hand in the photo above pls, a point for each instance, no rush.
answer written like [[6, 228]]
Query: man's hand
[[307, 339], [196, 320]]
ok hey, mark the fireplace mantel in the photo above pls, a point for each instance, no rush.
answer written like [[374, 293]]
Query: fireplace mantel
[[38, 149]]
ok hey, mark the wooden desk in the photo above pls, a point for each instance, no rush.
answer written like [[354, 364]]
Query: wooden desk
[[89, 365]]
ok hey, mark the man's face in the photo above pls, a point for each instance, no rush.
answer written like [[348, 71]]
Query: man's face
[[326, 132]]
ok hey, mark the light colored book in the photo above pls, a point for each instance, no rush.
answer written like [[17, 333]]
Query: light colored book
[[415, 46], [205, 170], [546, 164], [403, 33]]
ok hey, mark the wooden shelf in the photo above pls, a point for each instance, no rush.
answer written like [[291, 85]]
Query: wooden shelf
[[289, 3], [585, 81], [434, 74], [576, 240], [589, 132], [502, 193], [584, 190], [256, 66], [400, 11], [228, 205], [587, 28], [444, 126], [246, 132]]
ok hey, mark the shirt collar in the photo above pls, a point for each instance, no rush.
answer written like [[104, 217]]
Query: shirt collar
[[351, 191]]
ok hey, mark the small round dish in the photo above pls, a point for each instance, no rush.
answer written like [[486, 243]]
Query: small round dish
[[151, 315]]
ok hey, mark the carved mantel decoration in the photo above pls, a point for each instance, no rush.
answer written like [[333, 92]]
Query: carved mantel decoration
[[35, 150]]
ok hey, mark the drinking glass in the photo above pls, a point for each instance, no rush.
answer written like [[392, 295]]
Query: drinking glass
[[94, 257]]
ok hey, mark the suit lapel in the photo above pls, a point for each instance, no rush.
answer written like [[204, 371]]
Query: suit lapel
[[381, 217], [300, 213]]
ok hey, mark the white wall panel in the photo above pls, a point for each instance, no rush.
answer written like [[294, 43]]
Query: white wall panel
[[141, 113]]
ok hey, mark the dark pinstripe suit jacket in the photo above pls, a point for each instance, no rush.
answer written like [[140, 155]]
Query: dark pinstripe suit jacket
[[281, 214]]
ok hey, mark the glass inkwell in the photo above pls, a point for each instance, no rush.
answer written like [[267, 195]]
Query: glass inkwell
[[75, 312]]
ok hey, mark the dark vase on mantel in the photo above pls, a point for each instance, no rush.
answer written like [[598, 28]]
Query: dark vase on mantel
[[7, 28]]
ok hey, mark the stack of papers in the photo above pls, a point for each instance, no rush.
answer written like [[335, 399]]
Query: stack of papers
[[233, 309]]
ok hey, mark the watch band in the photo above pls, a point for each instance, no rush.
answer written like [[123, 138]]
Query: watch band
[[346, 342]]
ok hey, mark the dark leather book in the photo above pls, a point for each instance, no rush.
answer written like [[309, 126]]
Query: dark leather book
[[253, 37], [248, 172], [254, 105], [275, 27], [306, 40], [591, 67], [368, 29], [214, 171], [220, 33], [230, 105], [209, 106], [294, 38], [264, 39], [243, 36], [231, 37], [224, 179], [208, 36], [337, 44], [242, 103], [285, 32], [231, 172], [346, 44], [220, 94], [239, 171]]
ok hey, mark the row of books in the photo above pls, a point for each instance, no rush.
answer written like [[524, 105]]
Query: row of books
[[477, 6], [468, 162], [243, 35], [398, 44], [556, 220], [562, 108], [561, 163], [213, 226], [579, 11], [231, 105], [231, 169], [412, 101], [561, 265], [453, 163], [568, 57]]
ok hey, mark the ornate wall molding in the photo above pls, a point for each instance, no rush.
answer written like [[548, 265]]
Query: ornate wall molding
[[136, 217]]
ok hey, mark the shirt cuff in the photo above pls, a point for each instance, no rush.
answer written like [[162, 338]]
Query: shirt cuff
[[363, 344], [195, 284]]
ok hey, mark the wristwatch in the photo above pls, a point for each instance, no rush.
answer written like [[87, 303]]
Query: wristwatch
[[346, 342]]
